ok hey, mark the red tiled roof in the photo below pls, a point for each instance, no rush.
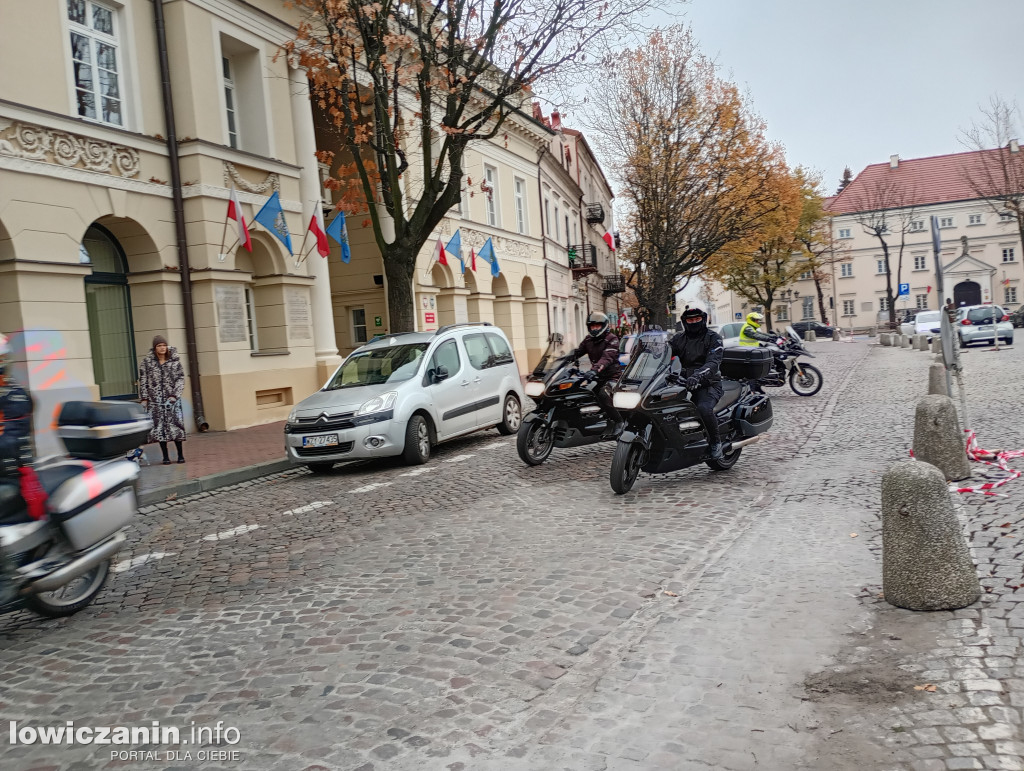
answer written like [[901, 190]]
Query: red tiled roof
[[914, 182]]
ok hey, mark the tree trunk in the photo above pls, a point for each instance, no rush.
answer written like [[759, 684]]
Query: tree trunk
[[399, 267], [821, 300]]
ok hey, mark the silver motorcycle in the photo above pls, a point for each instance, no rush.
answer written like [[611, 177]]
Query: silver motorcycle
[[805, 379], [57, 565]]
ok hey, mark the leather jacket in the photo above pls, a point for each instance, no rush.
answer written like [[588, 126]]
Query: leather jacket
[[700, 357], [603, 353], [15, 429]]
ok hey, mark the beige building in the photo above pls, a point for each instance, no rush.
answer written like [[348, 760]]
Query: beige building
[[92, 257]]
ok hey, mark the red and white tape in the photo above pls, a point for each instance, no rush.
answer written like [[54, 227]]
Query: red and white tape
[[1000, 459]]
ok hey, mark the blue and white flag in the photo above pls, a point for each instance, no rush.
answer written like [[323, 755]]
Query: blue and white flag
[[454, 248], [339, 232], [487, 253], [271, 216]]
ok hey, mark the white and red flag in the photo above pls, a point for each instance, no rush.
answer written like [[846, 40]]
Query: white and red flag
[[235, 213], [316, 227]]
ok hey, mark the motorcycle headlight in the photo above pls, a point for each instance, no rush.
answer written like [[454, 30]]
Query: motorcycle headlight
[[378, 403], [623, 400], [534, 388]]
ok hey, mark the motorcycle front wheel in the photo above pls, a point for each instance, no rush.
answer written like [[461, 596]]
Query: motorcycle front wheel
[[805, 381], [626, 463], [534, 442], [73, 596]]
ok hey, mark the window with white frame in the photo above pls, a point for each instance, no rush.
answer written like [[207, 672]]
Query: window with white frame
[[250, 319], [558, 223], [464, 199], [1008, 254], [945, 222], [547, 215], [848, 309], [916, 226], [491, 180], [808, 308], [921, 301], [575, 228], [805, 276], [95, 62], [880, 266], [520, 194], [567, 242], [241, 72], [1010, 294], [782, 313], [229, 102], [846, 270], [920, 262], [883, 303], [1006, 216], [974, 219], [358, 325], [845, 233]]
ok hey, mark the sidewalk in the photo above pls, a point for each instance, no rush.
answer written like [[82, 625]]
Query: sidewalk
[[214, 459]]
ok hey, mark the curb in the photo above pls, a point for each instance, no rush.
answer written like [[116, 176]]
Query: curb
[[213, 481]]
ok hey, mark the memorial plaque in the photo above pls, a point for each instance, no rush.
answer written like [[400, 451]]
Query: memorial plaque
[[299, 322], [231, 322]]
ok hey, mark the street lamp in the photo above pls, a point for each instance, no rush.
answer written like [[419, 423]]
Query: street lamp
[[788, 296]]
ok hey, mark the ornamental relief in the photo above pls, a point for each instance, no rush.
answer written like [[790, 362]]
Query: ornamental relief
[[23, 140], [272, 182], [510, 247]]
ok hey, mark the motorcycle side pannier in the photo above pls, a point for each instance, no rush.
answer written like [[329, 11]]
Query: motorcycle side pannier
[[753, 415], [746, 363], [101, 430]]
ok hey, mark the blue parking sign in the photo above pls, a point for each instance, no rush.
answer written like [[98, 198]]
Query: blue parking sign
[[904, 290]]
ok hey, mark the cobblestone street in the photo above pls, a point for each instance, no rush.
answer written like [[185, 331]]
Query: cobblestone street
[[474, 613]]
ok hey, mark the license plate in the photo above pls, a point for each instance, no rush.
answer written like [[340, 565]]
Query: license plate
[[321, 440]]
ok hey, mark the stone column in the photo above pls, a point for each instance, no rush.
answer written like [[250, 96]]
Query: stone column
[[324, 342]]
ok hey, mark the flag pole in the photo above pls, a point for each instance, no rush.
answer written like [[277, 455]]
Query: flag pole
[[223, 234]]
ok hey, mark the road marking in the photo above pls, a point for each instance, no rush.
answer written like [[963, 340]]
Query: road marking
[[459, 458], [416, 472], [307, 508], [240, 530], [369, 487], [142, 559], [493, 445]]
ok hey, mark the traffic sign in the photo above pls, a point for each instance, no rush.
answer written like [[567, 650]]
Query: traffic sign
[[904, 290], [739, 315]]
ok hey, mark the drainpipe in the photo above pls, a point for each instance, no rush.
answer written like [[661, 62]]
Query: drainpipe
[[543, 239], [179, 219]]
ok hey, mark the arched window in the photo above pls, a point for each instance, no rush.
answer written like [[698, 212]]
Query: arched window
[[109, 310]]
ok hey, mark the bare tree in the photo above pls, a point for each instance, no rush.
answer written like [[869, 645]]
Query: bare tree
[[998, 175]]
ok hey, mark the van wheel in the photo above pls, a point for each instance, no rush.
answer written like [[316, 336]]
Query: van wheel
[[320, 468], [511, 416], [417, 441]]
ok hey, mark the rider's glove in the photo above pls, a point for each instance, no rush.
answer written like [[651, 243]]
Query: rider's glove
[[692, 383]]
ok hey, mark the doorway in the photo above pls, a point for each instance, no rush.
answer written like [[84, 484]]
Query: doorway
[[967, 293]]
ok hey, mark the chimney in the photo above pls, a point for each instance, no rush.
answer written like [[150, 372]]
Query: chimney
[[556, 120], [1014, 146], [894, 161]]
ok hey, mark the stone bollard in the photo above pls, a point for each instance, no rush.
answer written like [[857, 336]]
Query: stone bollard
[[810, 336], [883, 339], [937, 380], [936, 344], [925, 561], [872, 332], [835, 334], [904, 341], [922, 342], [938, 439]]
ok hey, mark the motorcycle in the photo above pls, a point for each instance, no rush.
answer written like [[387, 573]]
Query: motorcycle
[[663, 431], [58, 564], [804, 379], [567, 412]]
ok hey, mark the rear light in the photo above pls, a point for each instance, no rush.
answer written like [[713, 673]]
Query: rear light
[[1005, 318], [966, 322]]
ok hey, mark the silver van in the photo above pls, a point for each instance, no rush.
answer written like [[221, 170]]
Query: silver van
[[401, 394]]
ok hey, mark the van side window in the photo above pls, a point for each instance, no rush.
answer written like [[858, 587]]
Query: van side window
[[502, 353], [477, 350], [447, 356]]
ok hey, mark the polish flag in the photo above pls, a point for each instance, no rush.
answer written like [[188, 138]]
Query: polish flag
[[235, 213], [609, 240], [316, 227], [472, 259], [439, 254]]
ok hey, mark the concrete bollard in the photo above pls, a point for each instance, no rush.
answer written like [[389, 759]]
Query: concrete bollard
[[938, 439], [810, 336], [884, 339], [926, 564], [922, 342], [872, 332], [936, 344], [937, 380], [904, 341], [835, 334]]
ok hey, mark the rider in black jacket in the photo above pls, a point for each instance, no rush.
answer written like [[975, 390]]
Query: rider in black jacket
[[699, 350], [601, 346], [15, 447]]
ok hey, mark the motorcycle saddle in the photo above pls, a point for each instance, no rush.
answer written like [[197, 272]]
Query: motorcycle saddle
[[731, 394], [12, 506]]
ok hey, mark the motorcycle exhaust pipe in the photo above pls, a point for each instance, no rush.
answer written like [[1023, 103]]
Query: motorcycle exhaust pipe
[[744, 442], [77, 567]]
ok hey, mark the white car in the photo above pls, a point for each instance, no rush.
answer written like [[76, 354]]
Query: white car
[[730, 333], [401, 394], [928, 323]]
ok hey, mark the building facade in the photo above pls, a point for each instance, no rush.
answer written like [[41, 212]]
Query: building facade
[[100, 249]]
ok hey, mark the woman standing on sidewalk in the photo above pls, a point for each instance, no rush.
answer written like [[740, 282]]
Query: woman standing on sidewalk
[[161, 383]]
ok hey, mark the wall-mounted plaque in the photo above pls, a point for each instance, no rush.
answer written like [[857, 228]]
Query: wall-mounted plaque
[[231, 323], [297, 304]]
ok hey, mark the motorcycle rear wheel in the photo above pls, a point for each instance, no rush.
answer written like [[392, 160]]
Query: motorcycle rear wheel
[[626, 463], [727, 462], [807, 384], [73, 596], [534, 442]]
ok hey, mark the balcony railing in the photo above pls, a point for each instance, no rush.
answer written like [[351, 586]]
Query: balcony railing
[[614, 284], [582, 259], [594, 213]]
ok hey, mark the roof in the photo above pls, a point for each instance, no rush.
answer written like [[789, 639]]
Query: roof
[[914, 182]]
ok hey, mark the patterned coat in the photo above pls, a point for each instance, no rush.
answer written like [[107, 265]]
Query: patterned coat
[[158, 383]]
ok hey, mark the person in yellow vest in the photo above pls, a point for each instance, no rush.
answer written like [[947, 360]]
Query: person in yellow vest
[[751, 335]]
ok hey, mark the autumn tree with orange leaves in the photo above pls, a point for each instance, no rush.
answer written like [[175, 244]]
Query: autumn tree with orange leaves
[[692, 159], [409, 85]]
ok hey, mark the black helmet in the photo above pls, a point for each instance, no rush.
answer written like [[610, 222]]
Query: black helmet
[[695, 322], [597, 324]]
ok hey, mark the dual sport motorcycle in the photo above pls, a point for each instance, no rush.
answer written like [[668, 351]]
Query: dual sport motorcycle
[[805, 379]]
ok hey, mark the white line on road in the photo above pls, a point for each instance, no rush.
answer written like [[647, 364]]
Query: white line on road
[[416, 472], [142, 559], [493, 445], [459, 458], [369, 487], [241, 529], [307, 508]]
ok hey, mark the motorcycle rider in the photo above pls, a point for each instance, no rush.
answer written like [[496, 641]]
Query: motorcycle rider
[[601, 346], [699, 351], [15, 448], [750, 334]]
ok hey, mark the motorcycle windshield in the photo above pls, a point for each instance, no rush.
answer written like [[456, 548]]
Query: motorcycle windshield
[[791, 333], [556, 356], [651, 356]]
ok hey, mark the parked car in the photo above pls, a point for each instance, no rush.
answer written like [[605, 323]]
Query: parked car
[[819, 329], [402, 394], [927, 323], [1017, 317], [730, 333], [906, 325], [977, 323], [626, 343]]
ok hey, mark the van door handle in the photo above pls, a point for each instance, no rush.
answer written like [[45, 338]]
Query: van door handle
[[478, 380], [464, 384]]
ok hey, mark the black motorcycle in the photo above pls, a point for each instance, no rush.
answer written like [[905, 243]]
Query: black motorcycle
[[663, 431], [804, 379], [567, 412]]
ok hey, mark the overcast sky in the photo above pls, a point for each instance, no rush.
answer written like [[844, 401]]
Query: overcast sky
[[850, 82]]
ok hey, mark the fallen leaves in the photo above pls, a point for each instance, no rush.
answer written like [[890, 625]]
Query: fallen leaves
[[926, 687], [670, 594], [853, 535]]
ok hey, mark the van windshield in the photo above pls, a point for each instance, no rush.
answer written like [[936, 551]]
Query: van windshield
[[376, 366]]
